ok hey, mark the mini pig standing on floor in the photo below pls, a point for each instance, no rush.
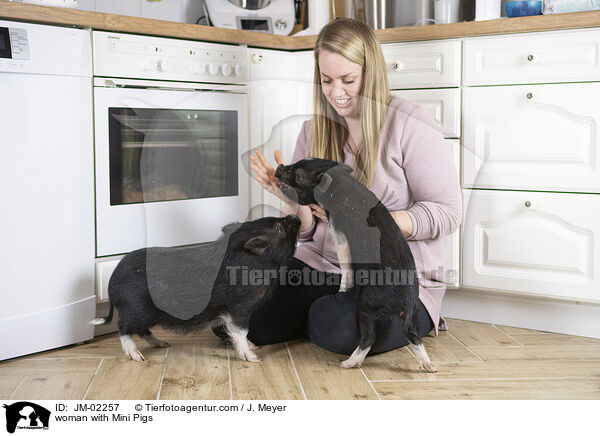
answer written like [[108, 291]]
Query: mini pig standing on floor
[[190, 288], [367, 239]]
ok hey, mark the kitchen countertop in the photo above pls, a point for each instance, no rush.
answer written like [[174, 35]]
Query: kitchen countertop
[[121, 23]]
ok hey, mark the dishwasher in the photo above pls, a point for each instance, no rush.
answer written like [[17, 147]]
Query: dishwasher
[[47, 229]]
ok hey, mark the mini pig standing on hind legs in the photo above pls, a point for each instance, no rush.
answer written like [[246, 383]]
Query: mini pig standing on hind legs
[[187, 289], [368, 239]]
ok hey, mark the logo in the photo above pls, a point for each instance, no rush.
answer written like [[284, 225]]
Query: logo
[[26, 415]]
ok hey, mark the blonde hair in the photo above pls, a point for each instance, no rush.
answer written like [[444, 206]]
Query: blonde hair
[[355, 41]]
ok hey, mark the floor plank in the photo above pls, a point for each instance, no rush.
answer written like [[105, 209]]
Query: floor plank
[[478, 334], [495, 369], [273, 379], [322, 378], [38, 366], [8, 384], [446, 348], [554, 339], [196, 369], [124, 379], [53, 387], [519, 331], [539, 352], [563, 389]]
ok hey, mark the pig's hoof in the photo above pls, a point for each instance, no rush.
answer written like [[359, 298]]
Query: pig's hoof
[[349, 364], [251, 357], [252, 346], [427, 366], [135, 355]]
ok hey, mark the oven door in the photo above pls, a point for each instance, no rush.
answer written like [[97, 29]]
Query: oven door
[[168, 168]]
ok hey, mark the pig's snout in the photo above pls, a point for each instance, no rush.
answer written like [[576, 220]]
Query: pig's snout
[[279, 171]]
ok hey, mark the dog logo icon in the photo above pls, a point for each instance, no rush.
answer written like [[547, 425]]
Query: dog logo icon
[[26, 415]]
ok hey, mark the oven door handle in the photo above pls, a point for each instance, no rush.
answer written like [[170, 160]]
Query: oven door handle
[[170, 86]]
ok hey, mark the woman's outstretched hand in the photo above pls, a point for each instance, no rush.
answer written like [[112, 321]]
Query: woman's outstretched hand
[[265, 173]]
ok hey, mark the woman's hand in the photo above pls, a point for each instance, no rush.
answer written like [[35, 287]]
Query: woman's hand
[[265, 173], [318, 211]]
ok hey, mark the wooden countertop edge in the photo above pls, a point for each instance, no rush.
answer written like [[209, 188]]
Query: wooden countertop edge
[[121, 23]]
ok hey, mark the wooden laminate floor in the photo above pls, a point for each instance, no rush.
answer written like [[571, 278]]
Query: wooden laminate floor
[[474, 361]]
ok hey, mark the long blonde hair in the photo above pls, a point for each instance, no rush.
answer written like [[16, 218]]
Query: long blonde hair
[[357, 42]]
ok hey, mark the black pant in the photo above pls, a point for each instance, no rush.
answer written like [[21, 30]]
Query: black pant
[[312, 306]]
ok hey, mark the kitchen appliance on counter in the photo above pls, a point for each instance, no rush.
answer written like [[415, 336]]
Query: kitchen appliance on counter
[[171, 125], [269, 16], [47, 188]]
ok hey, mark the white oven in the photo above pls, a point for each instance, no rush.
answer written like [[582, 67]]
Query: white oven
[[170, 128]]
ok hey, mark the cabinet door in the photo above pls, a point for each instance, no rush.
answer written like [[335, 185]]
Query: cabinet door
[[423, 64], [442, 104], [547, 57], [532, 243], [280, 96], [539, 137]]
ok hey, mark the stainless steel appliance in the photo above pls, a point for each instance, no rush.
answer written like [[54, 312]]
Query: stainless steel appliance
[[170, 128], [270, 16]]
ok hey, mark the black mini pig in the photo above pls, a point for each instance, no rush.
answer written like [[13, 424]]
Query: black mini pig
[[368, 239], [190, 288]]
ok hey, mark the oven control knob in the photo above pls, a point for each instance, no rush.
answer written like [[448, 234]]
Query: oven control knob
[[213, 69], [227, 70], [149, 64], [164, 65], [238, 69], [198, 68]]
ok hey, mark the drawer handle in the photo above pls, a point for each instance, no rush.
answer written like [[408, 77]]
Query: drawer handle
[[528, 203], [257, 58], [532, 58], [397, 66], [530, 96]]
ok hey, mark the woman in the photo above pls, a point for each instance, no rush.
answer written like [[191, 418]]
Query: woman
[[397, 152]]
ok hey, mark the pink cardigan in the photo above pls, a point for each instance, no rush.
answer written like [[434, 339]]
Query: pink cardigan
[[414, 172]]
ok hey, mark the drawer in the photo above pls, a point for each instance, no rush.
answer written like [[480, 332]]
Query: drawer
[[538, 137], [566, 56], [266, 64], [442, 104], [423, 64], [549, 248]]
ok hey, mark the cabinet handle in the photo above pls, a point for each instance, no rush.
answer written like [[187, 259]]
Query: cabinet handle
[[529, 96], [528, 203], [532, 58], [257, 58], [397, 66]]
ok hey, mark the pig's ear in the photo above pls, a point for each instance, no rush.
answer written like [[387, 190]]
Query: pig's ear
[[324, 183], [346, 168], [257, 245], [230, 228]]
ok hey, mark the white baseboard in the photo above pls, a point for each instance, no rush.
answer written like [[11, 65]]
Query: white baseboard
[[545, 314], [51, 328]]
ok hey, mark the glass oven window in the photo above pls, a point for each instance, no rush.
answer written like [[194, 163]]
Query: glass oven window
[[171, 154]]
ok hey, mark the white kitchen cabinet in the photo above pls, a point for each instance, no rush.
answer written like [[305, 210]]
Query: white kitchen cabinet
[[442, 104], [431, 64], [538, 137], [280, 96], [532, 243], [545, 57]]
